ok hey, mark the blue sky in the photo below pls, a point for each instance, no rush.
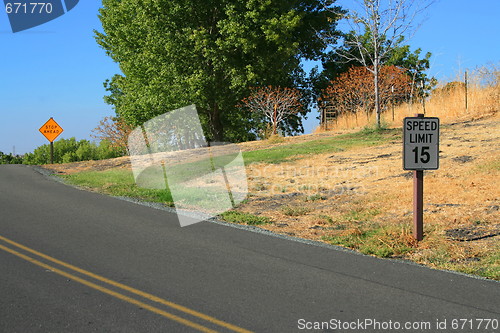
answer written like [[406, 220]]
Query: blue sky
[[57, 69]]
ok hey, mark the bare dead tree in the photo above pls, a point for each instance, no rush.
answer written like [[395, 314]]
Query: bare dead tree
[[115, 131], [385, 22], [275, 103], [487, 75]]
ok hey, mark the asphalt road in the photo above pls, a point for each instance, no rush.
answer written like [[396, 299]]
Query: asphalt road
[[75, 261]]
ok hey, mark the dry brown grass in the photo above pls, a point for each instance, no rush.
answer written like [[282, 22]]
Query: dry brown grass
[[449, 106], [362, 199]]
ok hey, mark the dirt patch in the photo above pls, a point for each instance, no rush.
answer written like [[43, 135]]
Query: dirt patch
[[463, 159], [473, 233], [70, 168], [124, 162]]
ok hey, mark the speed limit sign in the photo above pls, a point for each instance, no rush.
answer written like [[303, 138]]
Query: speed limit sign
[[421, 143], [420, 152]]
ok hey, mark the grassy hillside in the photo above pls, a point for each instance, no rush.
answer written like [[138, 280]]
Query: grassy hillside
[[350, 190], [362, 199], [119, 181]]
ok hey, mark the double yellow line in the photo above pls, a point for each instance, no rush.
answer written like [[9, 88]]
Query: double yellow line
[[121, 286]]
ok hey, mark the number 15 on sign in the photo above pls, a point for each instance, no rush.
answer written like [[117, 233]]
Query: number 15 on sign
[[421, 143]]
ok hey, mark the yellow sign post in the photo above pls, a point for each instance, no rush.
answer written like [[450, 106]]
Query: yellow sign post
[[51, 130]]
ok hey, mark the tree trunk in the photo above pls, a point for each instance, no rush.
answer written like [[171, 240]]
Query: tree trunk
[[275, 119], [377, 93], [216, 124]]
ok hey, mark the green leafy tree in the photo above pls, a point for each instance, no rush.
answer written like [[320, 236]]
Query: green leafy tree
[[86, 151], [106, 150], [65, 150], [174, 53], [69, 157]]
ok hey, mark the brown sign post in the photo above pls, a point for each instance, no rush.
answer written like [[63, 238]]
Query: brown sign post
[[420, 152], [51, 130]]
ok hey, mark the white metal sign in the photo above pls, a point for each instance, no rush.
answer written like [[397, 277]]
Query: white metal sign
[[421, 143]]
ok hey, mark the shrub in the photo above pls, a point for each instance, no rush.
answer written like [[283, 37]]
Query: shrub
[[10, 159], [70, 150]]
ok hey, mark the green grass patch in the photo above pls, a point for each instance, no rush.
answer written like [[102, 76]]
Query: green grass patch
[[490, 166], [118, 182], [379, 241], [371, 238], [326, 218], [487, 266], [364, 138], [359, 215], [295, 211], [244, 218], [315, 197]]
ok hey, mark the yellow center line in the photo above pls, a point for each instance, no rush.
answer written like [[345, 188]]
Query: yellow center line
[[110, 292], [121, 286]]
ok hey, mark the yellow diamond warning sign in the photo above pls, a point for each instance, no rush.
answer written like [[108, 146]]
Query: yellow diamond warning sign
[[51, 130]]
